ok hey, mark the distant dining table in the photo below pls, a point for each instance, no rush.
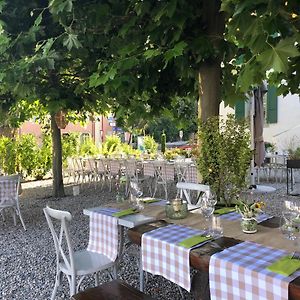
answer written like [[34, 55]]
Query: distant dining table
[[244, 255]]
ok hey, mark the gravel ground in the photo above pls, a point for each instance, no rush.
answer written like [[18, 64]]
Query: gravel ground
[[27, 258]]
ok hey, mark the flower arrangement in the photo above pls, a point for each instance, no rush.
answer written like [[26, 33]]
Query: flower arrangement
[[249, 210]]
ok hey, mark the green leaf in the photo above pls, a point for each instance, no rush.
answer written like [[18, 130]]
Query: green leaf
[[38, 20], [176, 51], [47, 46], [71, 41], [152, 53], [171, 8], [94, 79], [277, 57], [246, 77]]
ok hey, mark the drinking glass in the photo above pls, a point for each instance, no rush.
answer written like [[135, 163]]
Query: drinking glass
[[135, 194], [288, 225], [216, 228], [207, 209]]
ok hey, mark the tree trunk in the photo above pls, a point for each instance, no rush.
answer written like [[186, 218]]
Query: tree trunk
[[58, 185], [210, 69]]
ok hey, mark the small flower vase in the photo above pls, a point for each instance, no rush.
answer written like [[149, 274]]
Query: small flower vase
[[249, 225]]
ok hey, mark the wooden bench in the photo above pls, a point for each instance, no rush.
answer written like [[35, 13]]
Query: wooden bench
[[113, 290]]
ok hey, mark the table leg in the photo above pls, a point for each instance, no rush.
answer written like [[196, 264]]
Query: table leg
[[141, 273]]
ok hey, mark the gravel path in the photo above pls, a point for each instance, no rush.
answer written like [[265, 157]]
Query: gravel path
[[27, 258]]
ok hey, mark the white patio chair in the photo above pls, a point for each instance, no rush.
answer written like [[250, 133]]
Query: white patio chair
[[133, 173], [164, 174], [149, 175], [101, 170], [185, 188], [114, 171], [70, 263], [9, 196]]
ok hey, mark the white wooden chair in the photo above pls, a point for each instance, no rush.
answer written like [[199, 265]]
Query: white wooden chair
[[185, 188], [164, 174], [70, 263], [9, 196]]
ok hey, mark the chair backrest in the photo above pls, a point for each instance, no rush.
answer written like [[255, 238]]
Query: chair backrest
[[131, 167], [186, 187], [9, 190], [114, 167], [61, 238]]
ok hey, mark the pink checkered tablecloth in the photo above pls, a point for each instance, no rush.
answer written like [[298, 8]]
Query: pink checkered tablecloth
[[239, 273], [8, 192], [104, 233], [161, 254], [149, 169]]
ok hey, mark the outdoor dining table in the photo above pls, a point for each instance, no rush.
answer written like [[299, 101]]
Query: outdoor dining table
[[268, 235]]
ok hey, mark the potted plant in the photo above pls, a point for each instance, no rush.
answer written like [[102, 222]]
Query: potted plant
[[294, 158], [248, 213]]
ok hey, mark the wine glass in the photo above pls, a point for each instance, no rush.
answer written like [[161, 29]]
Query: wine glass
[[135, 194], [207, 208], [288, 226]]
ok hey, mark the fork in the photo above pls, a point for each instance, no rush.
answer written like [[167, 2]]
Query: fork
[[296, 255]]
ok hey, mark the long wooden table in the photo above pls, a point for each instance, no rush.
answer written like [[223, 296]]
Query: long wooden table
[[268, 234]]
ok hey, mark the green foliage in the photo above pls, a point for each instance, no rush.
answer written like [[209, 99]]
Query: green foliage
[[43, 158], [8, 148], [224, 156], [88, 148], [150, 144], [294, 153], [128, 151], [111, 144], [27, 154], [163, 142], [69, 146]]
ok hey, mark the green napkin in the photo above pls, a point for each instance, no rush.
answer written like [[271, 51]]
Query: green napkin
[[224, 210], [285, 266], [194, 240], [124, 212], [150, 200]]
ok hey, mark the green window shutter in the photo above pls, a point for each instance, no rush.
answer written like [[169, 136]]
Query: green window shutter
[[272, 105], [240, 110]]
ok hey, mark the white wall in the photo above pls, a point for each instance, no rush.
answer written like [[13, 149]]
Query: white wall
[[287, 130]]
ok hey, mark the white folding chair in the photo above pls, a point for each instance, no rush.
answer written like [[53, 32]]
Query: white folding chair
[[68, 262], [9, 196], [185, 188], [164, 174]]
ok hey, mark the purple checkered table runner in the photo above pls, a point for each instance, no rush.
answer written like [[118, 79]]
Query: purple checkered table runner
[[104, 233], [162, 256], [239, 273], [234, 216]]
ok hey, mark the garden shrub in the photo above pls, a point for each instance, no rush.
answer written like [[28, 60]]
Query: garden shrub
[[8, 148], [69, 146], [27, 154], [150, 144], [88, 148], [224, 156]]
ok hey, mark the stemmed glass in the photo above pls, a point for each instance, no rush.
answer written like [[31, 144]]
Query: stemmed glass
[[207, 208], [288, 225], [135, 194]]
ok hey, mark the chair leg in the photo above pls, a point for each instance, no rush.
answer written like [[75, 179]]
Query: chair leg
[[21, 219], [72, 286], [141, 274], [96, 279], [56, 285], [115, 272]]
